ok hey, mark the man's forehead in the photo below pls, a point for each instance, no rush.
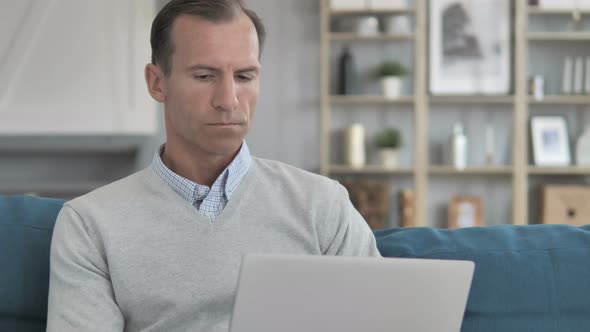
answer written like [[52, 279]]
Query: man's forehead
[[193, 26], [201, 35]]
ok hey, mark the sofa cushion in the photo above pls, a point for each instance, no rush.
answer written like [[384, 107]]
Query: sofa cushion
[[527, 278], [26, 225]]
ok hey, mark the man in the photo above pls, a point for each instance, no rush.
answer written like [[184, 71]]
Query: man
[[161, 249]]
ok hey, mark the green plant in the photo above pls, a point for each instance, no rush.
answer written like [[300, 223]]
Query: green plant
[[390, 68], [389, 138]]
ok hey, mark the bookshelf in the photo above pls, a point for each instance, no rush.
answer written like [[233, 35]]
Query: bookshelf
[[517, 172]]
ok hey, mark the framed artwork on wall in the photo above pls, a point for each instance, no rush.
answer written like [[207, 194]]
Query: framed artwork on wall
[[550, 140], [470, 47], [465, 211]]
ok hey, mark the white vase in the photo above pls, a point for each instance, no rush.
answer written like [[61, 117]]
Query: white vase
[[391, 86], [354, 146], [389, 157]]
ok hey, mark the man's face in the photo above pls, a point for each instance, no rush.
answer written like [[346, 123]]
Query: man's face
[[212, 90]]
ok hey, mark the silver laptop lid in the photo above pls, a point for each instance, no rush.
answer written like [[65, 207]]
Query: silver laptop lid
[[345, 294]]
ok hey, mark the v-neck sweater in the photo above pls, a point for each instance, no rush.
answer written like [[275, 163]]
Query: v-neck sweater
[[135, 256]]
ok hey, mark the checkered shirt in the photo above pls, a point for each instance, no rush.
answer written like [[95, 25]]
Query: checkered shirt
[[208, 201]]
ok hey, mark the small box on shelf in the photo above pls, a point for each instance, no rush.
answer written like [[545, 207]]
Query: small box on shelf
[[565, 204]]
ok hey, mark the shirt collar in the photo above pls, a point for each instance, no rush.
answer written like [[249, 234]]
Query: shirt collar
[[227, 181]]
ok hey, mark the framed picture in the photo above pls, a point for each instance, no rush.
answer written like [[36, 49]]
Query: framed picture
[[550, 141], [470, 47], [465, 211]]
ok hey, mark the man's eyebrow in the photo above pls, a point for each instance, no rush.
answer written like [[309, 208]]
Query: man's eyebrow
[[202, 67], [250, 69]]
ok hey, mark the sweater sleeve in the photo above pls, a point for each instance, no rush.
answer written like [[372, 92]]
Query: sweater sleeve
[[345, 232], [81, 296]]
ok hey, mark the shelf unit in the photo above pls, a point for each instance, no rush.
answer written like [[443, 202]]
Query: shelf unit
[[571, 170], [561, 100], [369, 170], [559, 36], [421, 104], [378, 37], [366, 100], [472, 99], [543, 11], [471, 170]]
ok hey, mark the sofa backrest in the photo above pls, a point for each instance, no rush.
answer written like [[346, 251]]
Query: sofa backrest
[[26, 226], [527, 278]]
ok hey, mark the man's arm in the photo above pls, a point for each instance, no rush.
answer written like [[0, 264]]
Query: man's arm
[[345, 232], [81, 296]]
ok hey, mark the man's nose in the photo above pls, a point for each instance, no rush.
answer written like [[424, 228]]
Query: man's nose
[[225, 98]]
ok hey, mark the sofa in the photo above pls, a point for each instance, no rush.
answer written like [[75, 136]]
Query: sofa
[[527, 278]]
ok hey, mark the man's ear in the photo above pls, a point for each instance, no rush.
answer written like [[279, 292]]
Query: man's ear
[[154, 78]]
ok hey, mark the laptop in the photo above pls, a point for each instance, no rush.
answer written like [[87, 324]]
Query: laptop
[[345, 294]]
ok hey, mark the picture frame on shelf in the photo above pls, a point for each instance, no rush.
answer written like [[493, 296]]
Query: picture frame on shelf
[[470, 47], [550, 141], [465, 211]]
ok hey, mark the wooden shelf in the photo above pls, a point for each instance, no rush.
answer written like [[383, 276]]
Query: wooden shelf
[[545, 11], [341, 36], [559, 170], [369, 169], [339, 12], [564, 99], [368, 99], [559, 36], [476, 99], [472, 170]]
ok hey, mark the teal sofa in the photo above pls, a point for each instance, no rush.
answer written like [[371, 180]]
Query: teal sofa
[[527, 278]]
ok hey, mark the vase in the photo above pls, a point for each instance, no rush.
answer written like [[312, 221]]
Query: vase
[[391, 86], [389, 157], [354, 146]]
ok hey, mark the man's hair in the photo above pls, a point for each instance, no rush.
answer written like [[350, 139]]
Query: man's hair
[[211, 10]]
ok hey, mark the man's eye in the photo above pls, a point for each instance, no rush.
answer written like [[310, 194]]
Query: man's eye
[[244, 78], [203, 77]]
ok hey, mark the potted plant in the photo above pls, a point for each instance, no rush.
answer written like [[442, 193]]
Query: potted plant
[[389, 142], [390, 73]]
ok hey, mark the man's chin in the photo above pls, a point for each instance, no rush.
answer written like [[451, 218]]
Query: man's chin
[[224, 148]]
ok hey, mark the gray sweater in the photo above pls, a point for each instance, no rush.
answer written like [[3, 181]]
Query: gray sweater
[[135, 256]]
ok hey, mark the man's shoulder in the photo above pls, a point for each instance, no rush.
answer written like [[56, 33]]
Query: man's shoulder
[[281, 175], [116, 193], [281, 170]]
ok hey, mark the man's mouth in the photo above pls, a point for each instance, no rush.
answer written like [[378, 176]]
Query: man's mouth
[[226, 124]]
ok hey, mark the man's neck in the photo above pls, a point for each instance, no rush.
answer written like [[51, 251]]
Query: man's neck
[[199, 167]]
